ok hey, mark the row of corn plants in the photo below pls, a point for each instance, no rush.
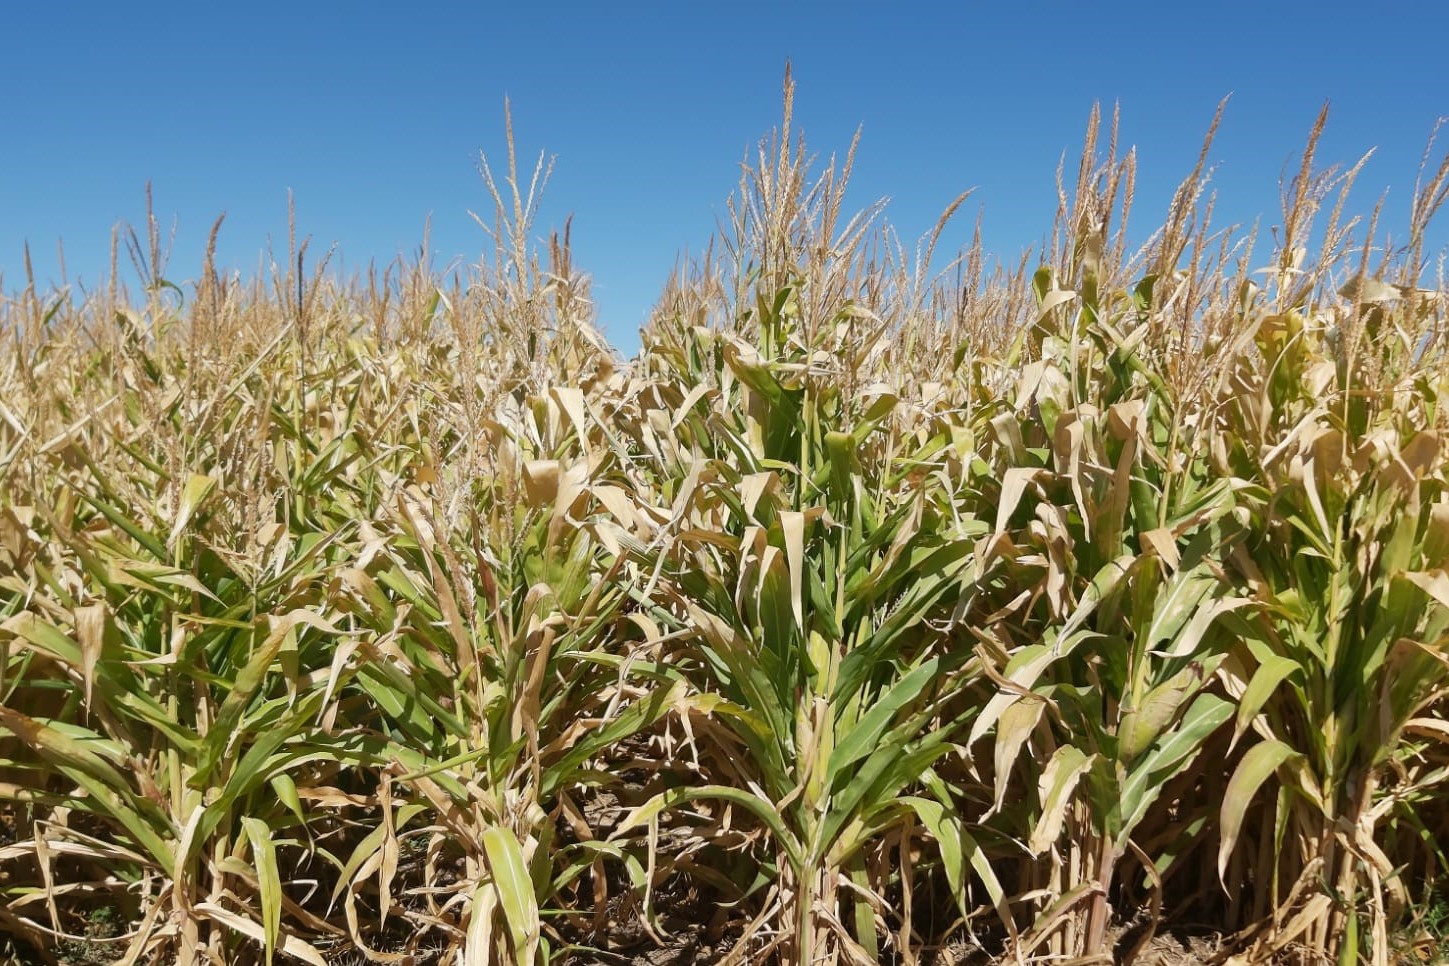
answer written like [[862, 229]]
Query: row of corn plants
[[874, 612]]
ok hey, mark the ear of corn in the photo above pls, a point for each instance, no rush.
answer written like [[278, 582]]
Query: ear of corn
[[867, 610]]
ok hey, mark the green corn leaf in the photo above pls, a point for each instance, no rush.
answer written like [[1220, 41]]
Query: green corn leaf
[[1261, 761], [1272, 671], [1173, 754], [865, 736], [198, 487], [286, 790], [1013, 728], [1058, 782], [761, 809], [945, 826], [269, 880], [575, 859], [515, 891]]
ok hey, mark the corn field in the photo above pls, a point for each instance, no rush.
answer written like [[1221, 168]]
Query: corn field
[[879, 610]]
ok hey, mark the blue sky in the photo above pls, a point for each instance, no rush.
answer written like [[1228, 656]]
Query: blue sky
[[374, 115]]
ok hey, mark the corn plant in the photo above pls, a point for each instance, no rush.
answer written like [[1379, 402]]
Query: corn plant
[[185, 715], [815, 560], [489, 643], [1343, 668]]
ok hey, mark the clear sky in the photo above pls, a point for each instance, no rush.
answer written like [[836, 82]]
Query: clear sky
[[374, 115]]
